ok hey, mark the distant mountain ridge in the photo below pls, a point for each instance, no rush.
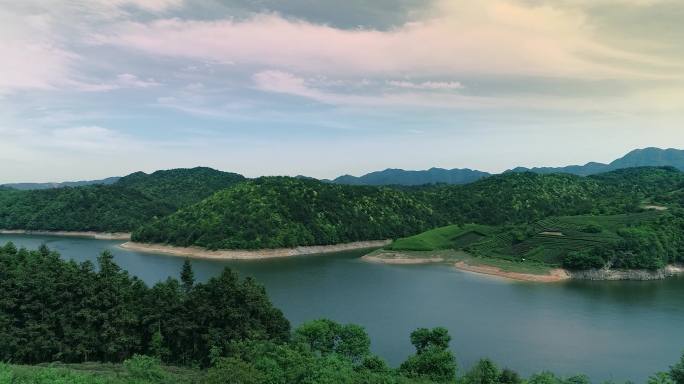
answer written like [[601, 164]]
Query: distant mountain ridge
[[34, 186], [403, 177], [646, 157]]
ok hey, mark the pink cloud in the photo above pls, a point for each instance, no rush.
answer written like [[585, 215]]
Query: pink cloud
[[489, 36]]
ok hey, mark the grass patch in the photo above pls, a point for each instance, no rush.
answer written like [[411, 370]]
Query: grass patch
[[449, 237], [94, 373], [533, 248], [452, 256]]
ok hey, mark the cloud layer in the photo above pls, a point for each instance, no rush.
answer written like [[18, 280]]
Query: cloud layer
[[165, 80]]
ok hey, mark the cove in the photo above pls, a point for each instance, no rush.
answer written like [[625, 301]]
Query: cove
[[607, 330]]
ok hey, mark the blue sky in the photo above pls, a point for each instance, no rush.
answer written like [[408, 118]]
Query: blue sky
[[90, 89]]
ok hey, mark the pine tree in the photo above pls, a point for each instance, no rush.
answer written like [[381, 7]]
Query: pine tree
[[187, 276]]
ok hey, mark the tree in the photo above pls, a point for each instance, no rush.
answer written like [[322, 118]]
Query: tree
[[423, 338], [509, 376], [187, 276], [677, 371], [484, 372], [433, 359], [326, 337]]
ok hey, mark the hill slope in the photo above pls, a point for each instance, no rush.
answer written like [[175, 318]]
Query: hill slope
[[647, 157], [90, 208], [402, 177], [123, 206], [273, 212], [180, 187], [32, 186]]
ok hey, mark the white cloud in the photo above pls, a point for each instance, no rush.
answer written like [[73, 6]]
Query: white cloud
[[487, 37], [127, 80], [93, 139], [432, 85]]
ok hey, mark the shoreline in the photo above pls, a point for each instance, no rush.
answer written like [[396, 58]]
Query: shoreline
[[463, 262], [554, 275], [87, 234], [194, 252], [401, 260]]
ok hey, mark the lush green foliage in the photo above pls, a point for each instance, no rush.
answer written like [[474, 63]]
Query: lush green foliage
[[402, 177], [53, 310], [89, 208], [273, 212], [180, 187], [123, 206], [451, 236], [281, 212], [277, 212], [649, 239]]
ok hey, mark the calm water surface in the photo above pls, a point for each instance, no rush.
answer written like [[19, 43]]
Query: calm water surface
[[608, 330]]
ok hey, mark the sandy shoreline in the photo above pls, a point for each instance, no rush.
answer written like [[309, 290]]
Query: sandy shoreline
[[555, 275], [89, 234], [395, 257], [402, 260], [201, 253]]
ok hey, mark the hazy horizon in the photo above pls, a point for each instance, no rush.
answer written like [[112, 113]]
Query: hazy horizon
[[93, 89], [328, 178]]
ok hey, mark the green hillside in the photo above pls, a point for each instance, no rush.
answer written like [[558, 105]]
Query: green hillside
[[277, 212], [648, 239], [123, 206], [449, 237], [88, 208], [180, 187], [274, 212]]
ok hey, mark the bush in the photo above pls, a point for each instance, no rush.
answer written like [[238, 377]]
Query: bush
[[592, 228], [581, 260], [145, 369]]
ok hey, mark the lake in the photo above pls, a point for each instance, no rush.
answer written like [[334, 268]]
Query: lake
[[607, 330]]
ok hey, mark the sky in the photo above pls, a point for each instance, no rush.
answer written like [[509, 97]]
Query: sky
[[98, 88]]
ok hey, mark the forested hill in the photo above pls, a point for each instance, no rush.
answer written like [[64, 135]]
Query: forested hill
[[90, 208], [132, 201], [403, 177], [273, 212], [277, 212], [180, 187]]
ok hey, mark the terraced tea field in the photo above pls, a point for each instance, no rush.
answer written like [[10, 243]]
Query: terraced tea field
[[551, 239]]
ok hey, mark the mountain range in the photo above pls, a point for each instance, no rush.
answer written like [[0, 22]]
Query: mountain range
[[647, 157], [34, 186]]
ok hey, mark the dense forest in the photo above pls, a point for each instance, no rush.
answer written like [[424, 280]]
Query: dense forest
[[274, 212], [181, 331], [89, 208], [180, 187], [121, 207], [220, 210], [283, 212]]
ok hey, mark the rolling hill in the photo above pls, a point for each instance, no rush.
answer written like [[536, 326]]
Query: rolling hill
[[123, 206], [274, 212], [647, 157], [402, 177], [34, 186]]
